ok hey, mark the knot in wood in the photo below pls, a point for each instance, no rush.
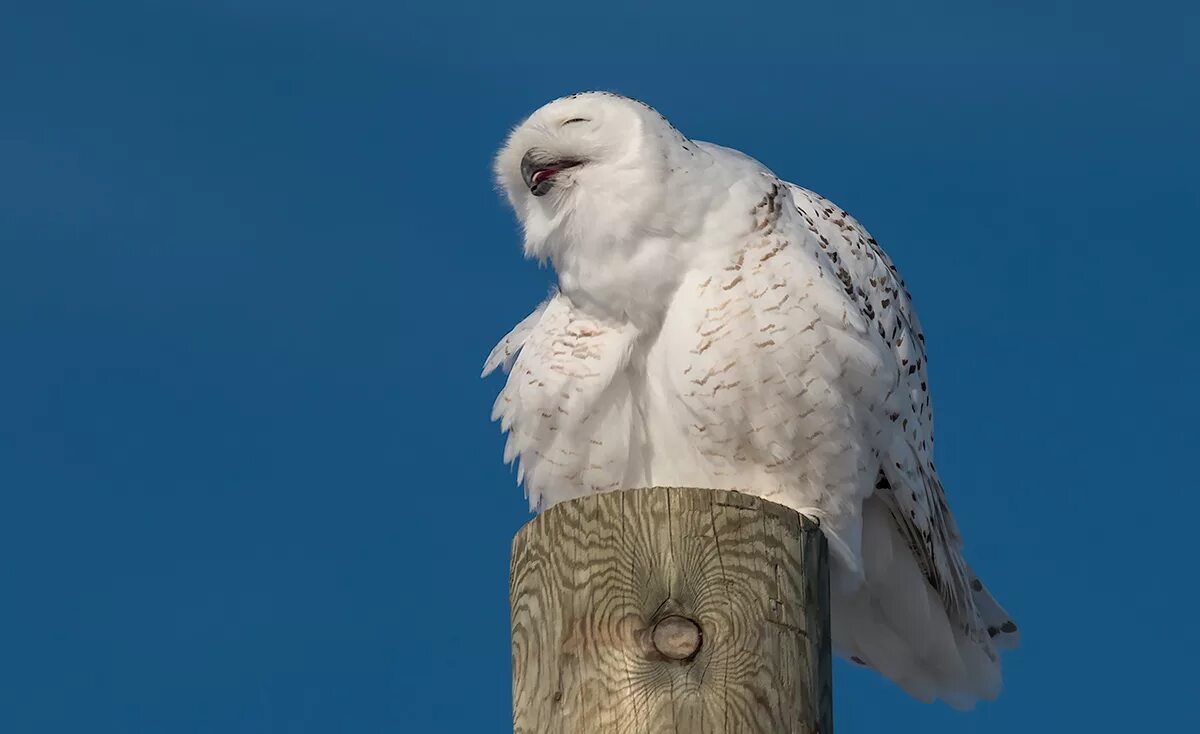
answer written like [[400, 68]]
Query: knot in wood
[[677, 638]]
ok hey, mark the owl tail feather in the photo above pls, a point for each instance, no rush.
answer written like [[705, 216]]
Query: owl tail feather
[[895, 623]]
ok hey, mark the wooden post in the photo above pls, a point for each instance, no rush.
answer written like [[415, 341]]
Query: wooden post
[[670, 610]]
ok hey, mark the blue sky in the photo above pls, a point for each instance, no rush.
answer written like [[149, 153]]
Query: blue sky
[[251, 260]]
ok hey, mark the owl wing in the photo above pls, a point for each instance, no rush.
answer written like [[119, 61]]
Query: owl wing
[[899, 399], [565, 407]]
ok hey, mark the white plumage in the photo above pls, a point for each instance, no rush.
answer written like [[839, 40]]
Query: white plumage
[[717, 327]]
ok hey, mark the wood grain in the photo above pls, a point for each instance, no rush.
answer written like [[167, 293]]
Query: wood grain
[[592, 578]]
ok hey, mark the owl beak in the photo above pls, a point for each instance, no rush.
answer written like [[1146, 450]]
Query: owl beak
[[538, 169]]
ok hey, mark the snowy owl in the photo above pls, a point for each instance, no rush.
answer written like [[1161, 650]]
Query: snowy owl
[[715, 326]]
